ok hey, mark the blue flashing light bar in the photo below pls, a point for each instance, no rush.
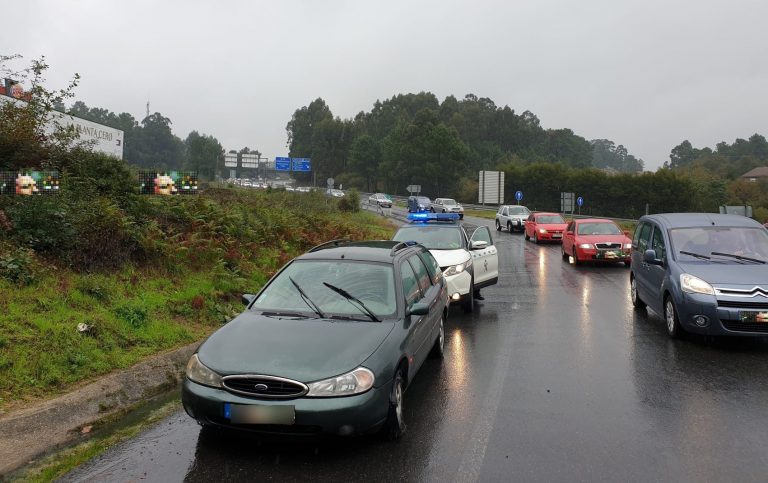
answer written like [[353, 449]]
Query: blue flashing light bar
[[433, 216]]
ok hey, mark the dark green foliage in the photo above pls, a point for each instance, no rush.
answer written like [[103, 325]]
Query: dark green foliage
[[414, 139], [351, 201], [134, 315], [18, 267]]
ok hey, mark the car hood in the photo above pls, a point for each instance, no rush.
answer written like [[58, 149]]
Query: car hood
[[552, 226], [728, 273], [603, 239], [303, 350], [446, 258]]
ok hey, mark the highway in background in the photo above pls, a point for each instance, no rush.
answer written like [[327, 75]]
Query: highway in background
[[554, 377]]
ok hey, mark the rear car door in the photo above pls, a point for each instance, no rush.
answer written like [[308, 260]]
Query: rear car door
[[568, 238], [485, 261]]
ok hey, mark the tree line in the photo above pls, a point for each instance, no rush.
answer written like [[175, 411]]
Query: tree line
[[416, 139]]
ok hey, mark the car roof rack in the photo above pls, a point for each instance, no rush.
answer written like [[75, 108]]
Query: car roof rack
[[329, 244], [402, 245]]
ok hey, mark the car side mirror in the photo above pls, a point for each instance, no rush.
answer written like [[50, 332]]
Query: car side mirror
[[418, 308], [247, 298], [478, 244], [649, 257]]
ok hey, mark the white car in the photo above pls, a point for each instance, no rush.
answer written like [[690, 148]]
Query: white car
[[447, 205], [512, 217], [380, 199], [468, 263]]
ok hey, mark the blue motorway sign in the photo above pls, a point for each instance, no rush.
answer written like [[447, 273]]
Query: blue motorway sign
[[302, 164], [282, 164], [518, 195], [579, 201]]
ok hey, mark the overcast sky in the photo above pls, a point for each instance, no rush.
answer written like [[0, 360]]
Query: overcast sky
[[647, 74]]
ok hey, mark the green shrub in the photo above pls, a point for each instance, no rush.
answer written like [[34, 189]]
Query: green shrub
[[95, 287], [18, 267], [351, 201], [135, 315]]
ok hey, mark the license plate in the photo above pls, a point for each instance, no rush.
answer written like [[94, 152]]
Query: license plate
[[258, 414], [608, 255], [761, 317], [557, 235]]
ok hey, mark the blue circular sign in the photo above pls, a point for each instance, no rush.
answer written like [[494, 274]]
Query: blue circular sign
[[579, 201], [518, 195]]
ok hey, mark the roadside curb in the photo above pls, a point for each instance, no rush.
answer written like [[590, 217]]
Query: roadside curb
[[34, 431]]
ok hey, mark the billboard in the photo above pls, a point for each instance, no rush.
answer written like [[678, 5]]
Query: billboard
[[249, 160], [491, 187], [282, 164], [29, 182], [103, 139], [168, 183], [302, 164], [230, 160]]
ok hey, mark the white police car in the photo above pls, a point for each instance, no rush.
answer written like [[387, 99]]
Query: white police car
[[468, 263]]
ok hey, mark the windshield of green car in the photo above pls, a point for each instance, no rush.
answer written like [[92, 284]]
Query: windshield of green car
[[738, 241], [601, 228], [371, 283], [431, 237]]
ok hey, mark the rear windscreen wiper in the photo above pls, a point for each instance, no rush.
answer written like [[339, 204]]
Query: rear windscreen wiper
[[739, 257]]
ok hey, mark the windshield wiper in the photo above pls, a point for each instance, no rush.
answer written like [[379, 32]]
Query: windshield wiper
[[353, 300], [272, 313], [696, 255], [306, 298], [739, 257]]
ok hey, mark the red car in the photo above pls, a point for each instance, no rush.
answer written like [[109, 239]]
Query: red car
[[596, 240], [545, 227]]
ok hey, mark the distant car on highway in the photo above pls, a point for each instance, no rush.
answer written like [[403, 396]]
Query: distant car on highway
[[380, 199], [705, 273], [328, 346], [335, 193], [596, 240], [447, 205], [418, 204], [545, 227], [512, 217], [468, 263]]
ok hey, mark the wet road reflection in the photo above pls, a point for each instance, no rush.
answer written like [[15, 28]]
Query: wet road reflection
[[553, 378]]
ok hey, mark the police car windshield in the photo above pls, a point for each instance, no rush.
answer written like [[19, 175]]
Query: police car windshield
[[431, 237]]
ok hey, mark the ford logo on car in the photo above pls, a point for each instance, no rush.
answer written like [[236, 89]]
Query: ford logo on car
[[260, 387]]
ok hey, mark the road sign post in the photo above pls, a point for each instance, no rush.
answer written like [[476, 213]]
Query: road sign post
[[579, 202], [518, 196]]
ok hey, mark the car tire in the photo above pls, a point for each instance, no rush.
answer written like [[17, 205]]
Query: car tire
[[461, 216], [674, 329], [526, 236], [636, 301], [432, 210], [394, 426], [535, 238], [562, 252], [468, 304], [498, 225], [443, 211], [438, 349], [509, 226]]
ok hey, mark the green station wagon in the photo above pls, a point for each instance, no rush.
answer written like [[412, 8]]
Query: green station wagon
[[328, 346]]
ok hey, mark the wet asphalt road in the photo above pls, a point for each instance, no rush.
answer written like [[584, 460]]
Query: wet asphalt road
[[553, 378]]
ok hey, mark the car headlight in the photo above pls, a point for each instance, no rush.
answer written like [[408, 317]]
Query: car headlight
[[542, 230], [692, 284], [354, 382], [627, 246], [198, 372], [456, 269], [586, 245]]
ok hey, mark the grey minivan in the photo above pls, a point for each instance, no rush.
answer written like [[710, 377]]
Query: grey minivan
[[705, 273]]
